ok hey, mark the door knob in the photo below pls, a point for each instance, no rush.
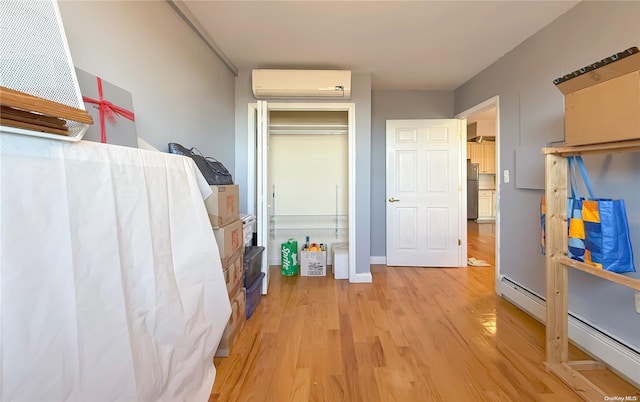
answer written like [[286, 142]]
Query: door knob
[[393, 200]]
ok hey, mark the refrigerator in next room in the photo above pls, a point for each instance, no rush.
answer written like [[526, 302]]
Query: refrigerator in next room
[[472, 190]]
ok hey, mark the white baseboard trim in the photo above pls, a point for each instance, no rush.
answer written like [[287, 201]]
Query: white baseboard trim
[[619, 358], [362, 277], [525, 302], [380, 259]]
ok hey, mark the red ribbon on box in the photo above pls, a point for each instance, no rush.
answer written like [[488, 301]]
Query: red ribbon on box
[[108, 110]]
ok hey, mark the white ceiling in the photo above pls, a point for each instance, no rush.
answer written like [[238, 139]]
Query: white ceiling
[[426, 45]]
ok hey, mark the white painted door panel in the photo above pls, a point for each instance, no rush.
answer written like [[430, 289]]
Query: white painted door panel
[[423, 193], [262, 210]]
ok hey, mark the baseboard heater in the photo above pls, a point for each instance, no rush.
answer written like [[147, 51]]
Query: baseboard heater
[[518, 287], [620, 357]]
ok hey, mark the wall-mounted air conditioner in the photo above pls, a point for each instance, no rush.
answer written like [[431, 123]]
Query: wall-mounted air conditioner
[[301, 84]]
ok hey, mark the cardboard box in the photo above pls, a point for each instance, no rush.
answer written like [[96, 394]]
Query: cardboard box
[[229, 239], [313, 263], [235, 324], [231, 258], [121, 128], [233, 270], [222, 205], [603, 105], [340, 260]]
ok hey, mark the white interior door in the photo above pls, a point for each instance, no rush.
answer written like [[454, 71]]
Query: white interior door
[[262, 201], [424, 192]]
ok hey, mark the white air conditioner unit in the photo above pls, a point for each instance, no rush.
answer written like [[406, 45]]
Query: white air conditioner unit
[[301, 84]]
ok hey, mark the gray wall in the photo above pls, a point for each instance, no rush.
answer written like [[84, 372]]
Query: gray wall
[[181, 91], [243, 96], [388, 105], [361, 97], [531, 113]]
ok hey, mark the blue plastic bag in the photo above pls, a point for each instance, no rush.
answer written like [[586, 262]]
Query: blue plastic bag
[[598, 227]]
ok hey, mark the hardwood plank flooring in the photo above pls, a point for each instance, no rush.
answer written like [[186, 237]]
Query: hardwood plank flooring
[[414, 334]]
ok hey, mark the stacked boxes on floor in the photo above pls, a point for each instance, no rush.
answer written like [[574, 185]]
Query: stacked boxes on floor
[[222, 207], [249, 227], [253, 277], [252, 266]]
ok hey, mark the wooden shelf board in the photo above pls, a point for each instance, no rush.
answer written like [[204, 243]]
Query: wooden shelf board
[[23, 101], [609, 147], [587, 365], [627, 281]]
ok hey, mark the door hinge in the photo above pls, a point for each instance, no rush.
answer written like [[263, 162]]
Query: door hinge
[[459, 188], [459, 135], [459, 242]]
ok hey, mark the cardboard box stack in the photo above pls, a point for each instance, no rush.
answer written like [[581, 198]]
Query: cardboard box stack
[[253, 277], [222, 207], [235, 324]]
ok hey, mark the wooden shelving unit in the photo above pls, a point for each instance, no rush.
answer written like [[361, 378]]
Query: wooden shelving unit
[[558, 264]]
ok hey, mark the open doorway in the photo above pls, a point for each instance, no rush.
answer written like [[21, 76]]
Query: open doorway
[[483, 183]]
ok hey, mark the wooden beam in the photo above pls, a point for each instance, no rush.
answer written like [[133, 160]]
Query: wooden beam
[[610, 147], [579, 383], [20, 100], [32, 127], [587, 365], [633, 283], [556, 246]]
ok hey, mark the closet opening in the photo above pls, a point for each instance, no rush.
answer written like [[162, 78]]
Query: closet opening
[[303, 179], [307, 179]]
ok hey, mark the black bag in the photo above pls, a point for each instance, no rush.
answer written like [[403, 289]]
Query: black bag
[[178, 149], [213, 171]]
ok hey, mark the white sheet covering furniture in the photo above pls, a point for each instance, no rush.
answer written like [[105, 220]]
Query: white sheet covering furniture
[[111, 287]]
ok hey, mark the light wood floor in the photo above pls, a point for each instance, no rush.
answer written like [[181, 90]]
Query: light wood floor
[[415, 334]]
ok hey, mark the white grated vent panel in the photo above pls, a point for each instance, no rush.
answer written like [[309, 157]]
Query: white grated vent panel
[[35, 57]]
